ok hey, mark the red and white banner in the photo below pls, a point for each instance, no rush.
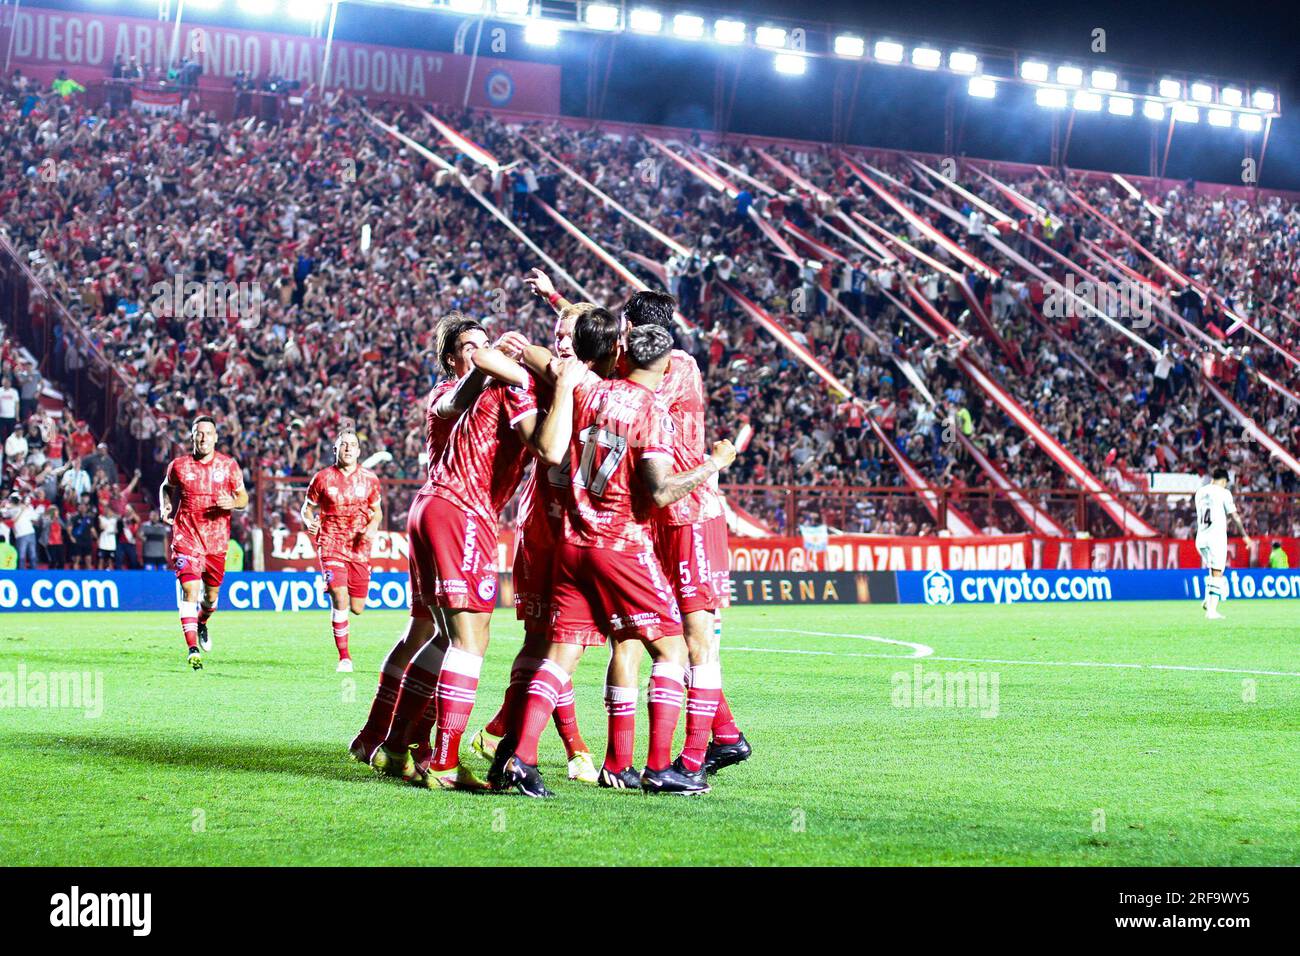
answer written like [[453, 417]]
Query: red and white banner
[[286, 550], [989, 553], [156, 101], [86, 43]]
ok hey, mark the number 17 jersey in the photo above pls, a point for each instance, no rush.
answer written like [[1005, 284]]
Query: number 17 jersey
[[616, 424]]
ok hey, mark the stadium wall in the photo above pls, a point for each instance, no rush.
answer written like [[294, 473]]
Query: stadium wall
[[85, 43], [45, 592]]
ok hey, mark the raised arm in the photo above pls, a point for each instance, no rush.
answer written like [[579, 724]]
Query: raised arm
[[666, 487], [541, 284]]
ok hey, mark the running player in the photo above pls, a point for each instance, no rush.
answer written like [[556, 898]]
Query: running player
[[537, 534], [342, 512], [457, 339], [691, 543], [198, 493], [607, 578], [457, 526], [1214, 508]]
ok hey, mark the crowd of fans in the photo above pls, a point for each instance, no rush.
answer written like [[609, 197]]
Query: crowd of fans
[[63, 500], [286, 278]]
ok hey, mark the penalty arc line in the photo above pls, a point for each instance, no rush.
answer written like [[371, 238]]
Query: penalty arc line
[[923, 650]]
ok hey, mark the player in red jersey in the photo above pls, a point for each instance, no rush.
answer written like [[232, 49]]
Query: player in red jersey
[[607, 578], [198, 494], [342, 512], [457, 339], [691, 542], [457, 525], [538, 531]]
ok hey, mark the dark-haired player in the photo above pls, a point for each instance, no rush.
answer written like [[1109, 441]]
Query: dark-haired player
[[198, 494], [607, 578], [342, 511], [457, 339], [691, 542]]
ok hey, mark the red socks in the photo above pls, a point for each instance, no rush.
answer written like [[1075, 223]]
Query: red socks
[[725, 730], [381, 709], [543, 692], [521, 674], [667, 688], [205, 611], [429, 659], [702, 702], [566, 721], [457, 687], [189, 611], [414, 699], [620, 705], [339, 620]]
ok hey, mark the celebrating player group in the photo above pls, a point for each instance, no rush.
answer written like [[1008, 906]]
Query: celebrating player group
[[621, 540]]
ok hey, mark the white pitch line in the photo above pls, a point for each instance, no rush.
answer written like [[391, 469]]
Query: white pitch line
[[922, 650], [919, 650]]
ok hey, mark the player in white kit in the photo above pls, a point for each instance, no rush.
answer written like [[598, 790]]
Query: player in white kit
[[1214, 506]]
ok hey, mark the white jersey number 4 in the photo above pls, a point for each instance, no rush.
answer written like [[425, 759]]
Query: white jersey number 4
[[1213, 505]]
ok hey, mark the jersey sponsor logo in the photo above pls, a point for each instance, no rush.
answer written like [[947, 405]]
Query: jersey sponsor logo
[[938, 588]]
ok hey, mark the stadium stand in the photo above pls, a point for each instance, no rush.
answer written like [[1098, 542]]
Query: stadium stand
[[933, 308]]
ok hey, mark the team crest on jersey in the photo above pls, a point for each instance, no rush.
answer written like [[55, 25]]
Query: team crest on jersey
[[487, 589], [182, 563]]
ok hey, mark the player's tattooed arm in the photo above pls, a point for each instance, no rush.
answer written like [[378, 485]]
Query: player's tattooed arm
[[165, 507], [666, 487], [1241, 528], [460, 398], [310, 520]]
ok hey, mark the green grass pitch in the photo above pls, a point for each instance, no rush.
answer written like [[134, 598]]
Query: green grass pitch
[[1194, 761]]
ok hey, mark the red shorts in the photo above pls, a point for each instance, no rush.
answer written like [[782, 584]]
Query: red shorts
[[210, 568], [339, 568], [696, 561], [533, 574], [600, 593], [452, 557]]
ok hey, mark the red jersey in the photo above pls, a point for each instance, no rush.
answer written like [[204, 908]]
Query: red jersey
[[682, 392], [345, 502], [200, 526], [616, 423], [437, 430], [481, 466]]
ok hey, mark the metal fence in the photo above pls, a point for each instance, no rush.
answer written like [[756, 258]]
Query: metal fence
[[783, 508]]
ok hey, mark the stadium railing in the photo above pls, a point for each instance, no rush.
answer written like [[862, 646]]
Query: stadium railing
[[783, 509]]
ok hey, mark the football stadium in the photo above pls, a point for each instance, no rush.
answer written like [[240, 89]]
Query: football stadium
[[863, 437]]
